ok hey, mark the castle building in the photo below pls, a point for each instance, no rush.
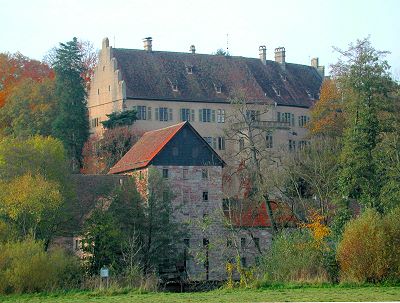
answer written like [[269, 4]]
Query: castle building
[[166, 88]]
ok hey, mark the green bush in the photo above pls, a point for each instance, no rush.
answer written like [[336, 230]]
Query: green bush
[[26, 267], [293, 257], [368, 251]]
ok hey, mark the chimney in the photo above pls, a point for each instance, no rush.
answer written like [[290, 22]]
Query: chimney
[[263, 54], [320, 68], [148, 44], [192, 49], [314, 62], [280, 55]]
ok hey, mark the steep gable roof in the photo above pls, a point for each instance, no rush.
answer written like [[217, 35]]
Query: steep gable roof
[[150, 75], [151, 144]]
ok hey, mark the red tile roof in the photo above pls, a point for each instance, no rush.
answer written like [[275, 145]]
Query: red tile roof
[[148, 146], [258, 217]]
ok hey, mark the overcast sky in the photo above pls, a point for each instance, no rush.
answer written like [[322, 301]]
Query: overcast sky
[[307, 28]]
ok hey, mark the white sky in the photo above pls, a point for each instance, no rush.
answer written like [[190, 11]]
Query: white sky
[[306, 28]]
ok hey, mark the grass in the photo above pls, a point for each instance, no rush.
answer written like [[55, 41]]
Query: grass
[[269, 294]]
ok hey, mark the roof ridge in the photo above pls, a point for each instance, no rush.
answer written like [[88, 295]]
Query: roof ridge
[[160, 129]]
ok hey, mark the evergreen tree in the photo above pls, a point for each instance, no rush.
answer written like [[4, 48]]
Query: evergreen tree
[[364, 79], [71, 125]]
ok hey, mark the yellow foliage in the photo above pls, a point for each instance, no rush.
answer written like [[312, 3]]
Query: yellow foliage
[[319, 230], [326, 115]]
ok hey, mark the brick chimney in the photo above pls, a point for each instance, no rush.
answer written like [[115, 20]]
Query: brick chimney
[[320, 68], [280, 55], [148, 44], [192, 49], [263, 54]]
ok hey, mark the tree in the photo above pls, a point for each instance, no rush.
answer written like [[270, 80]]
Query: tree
[[125, 118], [327, 118], [36, 155], [30, 204], [30, 109], [15, 68], [89, 55], [130, 229], [101, 153], [253, 157], [71, 125], [35, 187], [161, 234], [364, 78], [307, 179]]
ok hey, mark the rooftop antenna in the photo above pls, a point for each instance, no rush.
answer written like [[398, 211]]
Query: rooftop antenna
[[227, 43]]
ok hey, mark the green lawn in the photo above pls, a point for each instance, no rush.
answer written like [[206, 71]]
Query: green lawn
[[251, 295]]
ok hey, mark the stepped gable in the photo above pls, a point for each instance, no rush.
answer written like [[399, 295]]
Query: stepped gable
[[151, 74]]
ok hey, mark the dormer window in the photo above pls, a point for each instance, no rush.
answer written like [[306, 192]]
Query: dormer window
[[309, 94], [218, 88], [189, 69], [277, 91], [174, 85]]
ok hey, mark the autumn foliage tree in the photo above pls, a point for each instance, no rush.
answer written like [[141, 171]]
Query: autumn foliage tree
[[327, 116], [16, 67]]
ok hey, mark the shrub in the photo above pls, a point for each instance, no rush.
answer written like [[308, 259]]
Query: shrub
[[293, 256], [368, 251], [26, 267]]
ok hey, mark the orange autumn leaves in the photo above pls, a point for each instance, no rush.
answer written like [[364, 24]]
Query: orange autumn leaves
[[327, 117], [14, 68]]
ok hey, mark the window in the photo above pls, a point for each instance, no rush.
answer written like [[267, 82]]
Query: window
[[241, 144], [206, 115], [163, 114], [292, 145], [221, 143], [243, 242], [104, 68], [204, 173], [269, 140], [165, 173], [141, 112], [187, 114], [77, 244], [174, 87], [218, 88], [205, 195], [303, 120], [286, 117], [109, 88], [228, 242], [302, 144], [257, 243], [252, 115], [211, 141], [94, 122], [277, 91], [220, 116], [185, 173], [98, 91], [189, 69], [148, 113]]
